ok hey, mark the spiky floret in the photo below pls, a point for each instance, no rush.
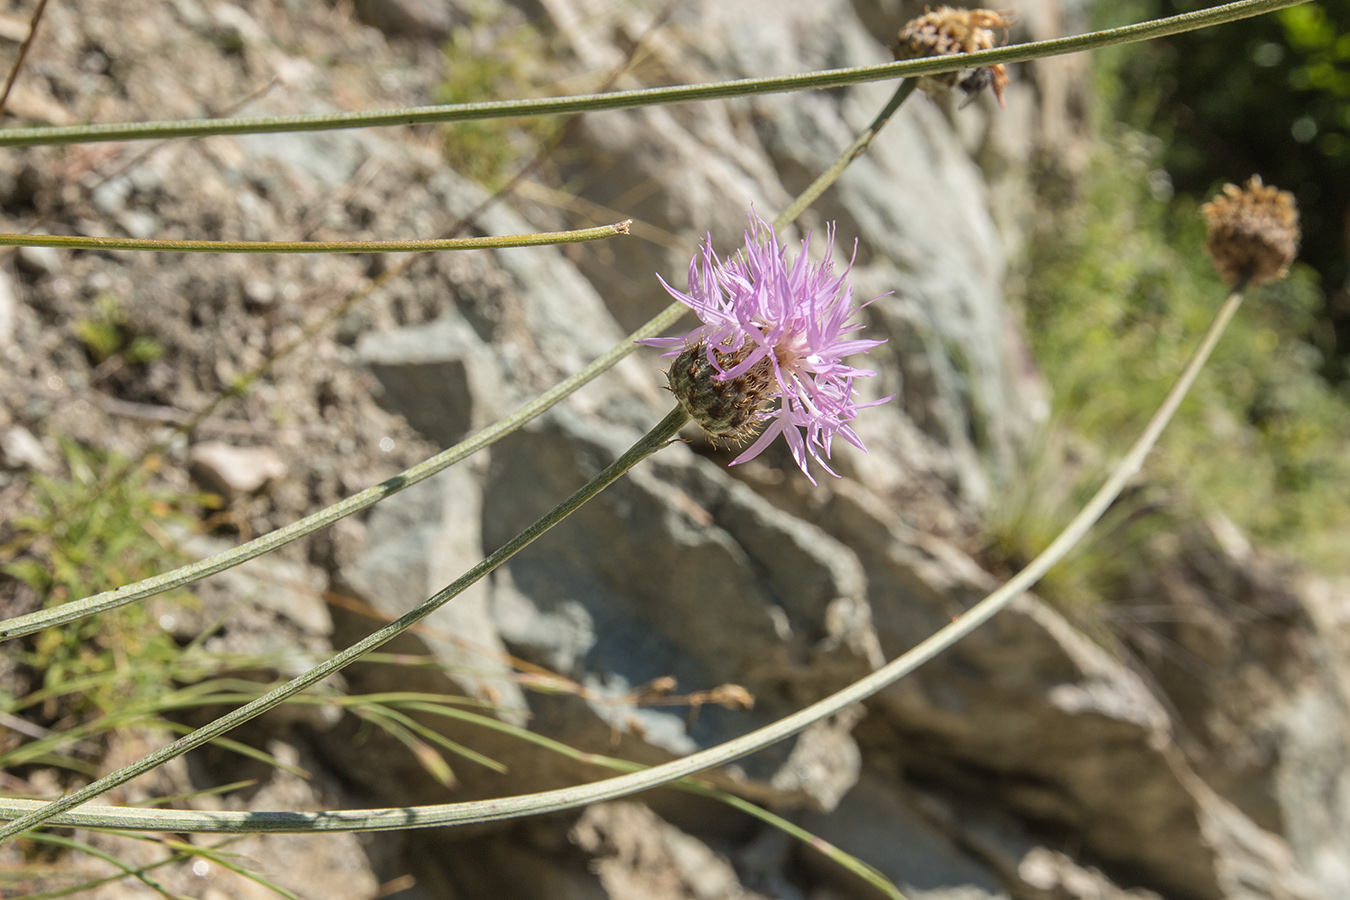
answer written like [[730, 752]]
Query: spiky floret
[[772, 329], [730, 410]]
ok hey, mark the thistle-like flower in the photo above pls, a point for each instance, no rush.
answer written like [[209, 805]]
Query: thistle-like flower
[[1253, 232], [773, 329], [946, 32]]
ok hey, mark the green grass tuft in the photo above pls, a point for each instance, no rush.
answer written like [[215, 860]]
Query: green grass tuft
[[489, 64], [88, 532]]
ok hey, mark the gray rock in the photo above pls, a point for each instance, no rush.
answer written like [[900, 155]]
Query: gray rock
[[111, 196], [40, 260], [439, 376], [279, 588], [1227, 637], [824, 763], [880, 824], [235, 471], [636, 856], [680, 570], [289, 590], [328, 158], [916, 202], [417, 543], [1057, 875], [1048, 768], [427, 20], [19, 449], [139, 223], [235, 27], [338, 865]]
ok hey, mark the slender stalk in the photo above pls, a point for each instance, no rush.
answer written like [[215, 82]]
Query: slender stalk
[[88, 606], [161, 245], [23, 54], [856, 149], [652, 441], [135, 131], [35, 812], [839, 857], [141, 874]]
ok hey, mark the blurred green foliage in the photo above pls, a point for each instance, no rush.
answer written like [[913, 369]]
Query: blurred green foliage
[[1267, 95], [1120, 292], [94, 529], [104, 334], [492, 62]]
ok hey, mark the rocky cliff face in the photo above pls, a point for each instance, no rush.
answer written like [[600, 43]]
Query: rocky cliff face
[[1028, 762]]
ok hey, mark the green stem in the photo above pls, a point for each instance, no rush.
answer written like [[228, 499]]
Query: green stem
[[71, 242], [652, 441], [135, 131], [141, 874], [635, 782]]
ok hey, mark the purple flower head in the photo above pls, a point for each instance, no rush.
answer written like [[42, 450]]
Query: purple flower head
[[772, 329]]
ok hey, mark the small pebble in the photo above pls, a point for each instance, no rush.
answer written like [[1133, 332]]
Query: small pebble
[[235, 471]]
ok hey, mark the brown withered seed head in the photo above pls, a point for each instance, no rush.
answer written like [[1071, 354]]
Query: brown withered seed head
[[946, 32], [731, 410], [1253, 232]]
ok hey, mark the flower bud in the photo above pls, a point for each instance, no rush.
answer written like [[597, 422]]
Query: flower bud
[[728, 409]]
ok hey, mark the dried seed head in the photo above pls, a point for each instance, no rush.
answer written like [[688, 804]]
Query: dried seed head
[[946, 32], [730, 410], [1253, 232]]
